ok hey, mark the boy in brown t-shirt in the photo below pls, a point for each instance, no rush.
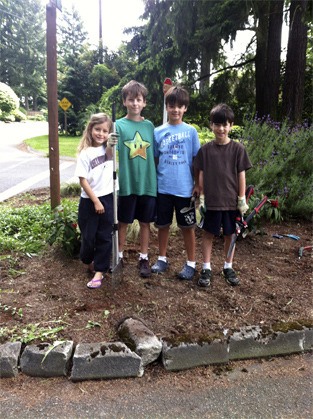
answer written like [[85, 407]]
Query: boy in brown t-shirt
[[220, 170]]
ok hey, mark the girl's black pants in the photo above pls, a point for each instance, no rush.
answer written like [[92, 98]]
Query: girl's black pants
[[96, 232]]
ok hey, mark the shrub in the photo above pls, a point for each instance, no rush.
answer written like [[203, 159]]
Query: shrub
[[8, 99], [236, 132], [282, 167], [205, 135], [18, 115]]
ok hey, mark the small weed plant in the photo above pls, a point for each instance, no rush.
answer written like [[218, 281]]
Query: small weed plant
[[64, 229], [22, 229], [31, 332], [28, 229]]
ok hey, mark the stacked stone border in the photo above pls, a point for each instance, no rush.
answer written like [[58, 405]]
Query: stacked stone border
[[140, 347]]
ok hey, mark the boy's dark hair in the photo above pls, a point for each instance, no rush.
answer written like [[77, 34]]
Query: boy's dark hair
[[177, 95], [221, 114], [133, 89]]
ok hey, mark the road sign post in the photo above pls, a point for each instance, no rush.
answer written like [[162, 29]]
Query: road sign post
[[65, 104], [167, 84]]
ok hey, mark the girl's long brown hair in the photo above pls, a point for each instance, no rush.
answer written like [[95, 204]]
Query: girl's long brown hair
[[95, 119]]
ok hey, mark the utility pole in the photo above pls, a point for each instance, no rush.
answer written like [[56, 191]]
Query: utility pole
[[53, 104], [100, 34], [100, 47]]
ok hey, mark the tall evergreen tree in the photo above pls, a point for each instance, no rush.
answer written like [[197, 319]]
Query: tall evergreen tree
[[296, 60], [22, 49]]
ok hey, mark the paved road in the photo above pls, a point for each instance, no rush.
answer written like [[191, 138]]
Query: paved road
[[21, 171], [273, 388]]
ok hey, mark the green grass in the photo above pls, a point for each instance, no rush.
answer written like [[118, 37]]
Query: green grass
[[67, 145]]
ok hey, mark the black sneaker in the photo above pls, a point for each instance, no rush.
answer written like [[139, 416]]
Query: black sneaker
[[144, 268], [230, 276], [205, 278]]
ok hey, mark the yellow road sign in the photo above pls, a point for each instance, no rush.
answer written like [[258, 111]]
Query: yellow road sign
[[65, 104]]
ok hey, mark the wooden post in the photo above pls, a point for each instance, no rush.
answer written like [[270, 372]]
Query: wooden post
[[65, 122], [53, 105]]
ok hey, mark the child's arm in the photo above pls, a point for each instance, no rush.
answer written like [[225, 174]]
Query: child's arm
[[99, 208], [242, 205], [198, 177], [242, 183]]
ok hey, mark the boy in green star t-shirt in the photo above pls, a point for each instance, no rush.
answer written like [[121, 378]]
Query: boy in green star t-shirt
[[137, 173]]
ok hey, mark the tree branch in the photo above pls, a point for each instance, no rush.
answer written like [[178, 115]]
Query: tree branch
[[223, 69]]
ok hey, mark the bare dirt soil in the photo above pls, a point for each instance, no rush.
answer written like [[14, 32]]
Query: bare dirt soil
[[276, 286]]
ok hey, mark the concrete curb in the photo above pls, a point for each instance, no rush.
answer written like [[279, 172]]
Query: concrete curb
[[106, 360]]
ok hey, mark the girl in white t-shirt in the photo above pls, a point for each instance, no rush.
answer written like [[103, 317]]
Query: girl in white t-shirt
[[95, 212]]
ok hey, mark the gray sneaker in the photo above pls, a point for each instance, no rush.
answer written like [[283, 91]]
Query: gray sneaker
[[230, 276], [159, 267], [205, 278]]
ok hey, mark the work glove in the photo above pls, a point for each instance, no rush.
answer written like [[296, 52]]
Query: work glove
[[113, 139], [202, 207], [242, 205]]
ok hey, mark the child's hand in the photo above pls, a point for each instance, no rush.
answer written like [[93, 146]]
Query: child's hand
[[113, 139], [242, 205], [99, 208]]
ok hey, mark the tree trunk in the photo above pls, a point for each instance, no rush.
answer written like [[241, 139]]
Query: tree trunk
[[205, 69], [272, 78], [262, 14], [295, 61]]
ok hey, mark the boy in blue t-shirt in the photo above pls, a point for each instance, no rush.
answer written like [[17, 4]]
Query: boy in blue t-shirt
[[175, 146]]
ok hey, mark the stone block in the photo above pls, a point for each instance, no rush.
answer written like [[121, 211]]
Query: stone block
[[9, 356], [105, 360], [190, 355], [138, 337], [308, 339], [250, 342], [47, 360]]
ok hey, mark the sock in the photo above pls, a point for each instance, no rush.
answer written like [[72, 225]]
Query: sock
[[143, 256], [191, 264], [206, 265], [228, 265], [163, 258], [120, 255]]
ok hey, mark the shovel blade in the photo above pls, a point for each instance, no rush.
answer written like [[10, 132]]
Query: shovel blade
[[117, 275]]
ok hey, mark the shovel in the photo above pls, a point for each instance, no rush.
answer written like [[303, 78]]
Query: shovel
[[191, 205], [117, 266]]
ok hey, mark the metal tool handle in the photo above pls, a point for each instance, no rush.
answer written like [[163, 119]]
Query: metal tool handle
[[115, 221]]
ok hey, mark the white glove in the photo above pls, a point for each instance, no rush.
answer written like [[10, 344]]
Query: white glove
[[113, 139], [202, 207], [242, 205]]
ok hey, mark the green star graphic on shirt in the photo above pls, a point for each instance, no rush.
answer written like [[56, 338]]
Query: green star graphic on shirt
[[137, 147]]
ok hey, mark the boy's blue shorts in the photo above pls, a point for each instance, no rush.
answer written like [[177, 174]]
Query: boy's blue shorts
[[214, 220], [166, 204], [136, 207]]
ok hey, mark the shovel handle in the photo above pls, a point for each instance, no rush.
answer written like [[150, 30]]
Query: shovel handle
[[115, 220]]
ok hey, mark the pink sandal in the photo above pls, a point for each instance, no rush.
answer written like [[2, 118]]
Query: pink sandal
[[95, 283]]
